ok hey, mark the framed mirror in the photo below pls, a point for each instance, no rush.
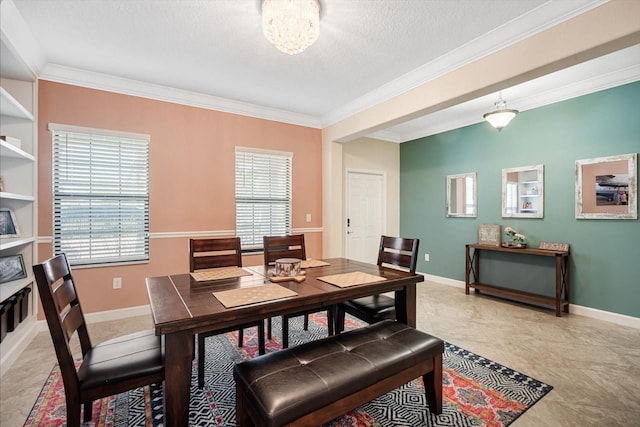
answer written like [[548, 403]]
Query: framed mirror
[[523, 192], [462, 195]]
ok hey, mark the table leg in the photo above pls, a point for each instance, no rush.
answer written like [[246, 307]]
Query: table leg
[[406, 305], [467, 268], [558, 285], [177, 383]]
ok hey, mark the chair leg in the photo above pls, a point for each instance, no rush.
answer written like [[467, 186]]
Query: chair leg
[[261, 349], [433, 386], [200, 360], [88, 411], [331, 320], [240, 337], [285, 332], [339, 320], [306, 322], [268, 319]]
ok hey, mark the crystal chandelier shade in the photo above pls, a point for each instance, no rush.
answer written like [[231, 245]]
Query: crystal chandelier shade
[[291, 25]]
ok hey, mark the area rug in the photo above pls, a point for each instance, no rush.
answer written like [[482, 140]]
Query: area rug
[[476, 391]]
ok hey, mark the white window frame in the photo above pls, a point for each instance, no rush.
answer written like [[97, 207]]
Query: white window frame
[[100, 195], [263, 191]]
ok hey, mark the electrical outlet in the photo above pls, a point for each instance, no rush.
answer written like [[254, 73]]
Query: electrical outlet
[[117, 282], [426, 257], [308, 217]]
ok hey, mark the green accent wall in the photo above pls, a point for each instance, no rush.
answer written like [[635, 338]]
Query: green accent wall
[[605, 254]]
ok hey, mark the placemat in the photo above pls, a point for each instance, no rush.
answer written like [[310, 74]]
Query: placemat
[[219, 273], [277, 279], [345, 280], [309, 263], [245, 296]]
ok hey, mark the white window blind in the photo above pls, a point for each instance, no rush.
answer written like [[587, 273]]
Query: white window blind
[[263, 196], [100, 195]]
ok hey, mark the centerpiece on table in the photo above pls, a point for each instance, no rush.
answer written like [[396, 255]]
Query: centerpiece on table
[[514, 239]]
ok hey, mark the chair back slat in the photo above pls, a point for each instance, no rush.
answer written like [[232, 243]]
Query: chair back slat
[[64, 295], [398, 251], [63, 312], [71, 319], [214, 252], [276, 247]]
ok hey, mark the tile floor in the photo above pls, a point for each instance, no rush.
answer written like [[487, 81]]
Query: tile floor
[[593, 365]]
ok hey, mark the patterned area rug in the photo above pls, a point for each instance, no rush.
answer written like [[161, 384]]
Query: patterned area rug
[[477, 391]]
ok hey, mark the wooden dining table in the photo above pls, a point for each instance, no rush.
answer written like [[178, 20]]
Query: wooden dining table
[[182, 306]]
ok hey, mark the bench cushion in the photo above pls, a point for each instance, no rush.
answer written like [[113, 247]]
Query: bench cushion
[[285, 385]]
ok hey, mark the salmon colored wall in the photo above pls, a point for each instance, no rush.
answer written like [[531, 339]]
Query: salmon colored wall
[[191, 183]]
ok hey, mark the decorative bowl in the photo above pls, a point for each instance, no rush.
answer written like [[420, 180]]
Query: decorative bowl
[[514, 245], [288, 267]]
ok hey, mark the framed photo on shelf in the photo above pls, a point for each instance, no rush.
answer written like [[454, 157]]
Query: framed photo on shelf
[[607, 187], [489, 234], [12, 268], [8, 224]]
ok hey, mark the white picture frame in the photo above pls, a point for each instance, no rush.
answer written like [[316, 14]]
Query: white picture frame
[[607, 187]]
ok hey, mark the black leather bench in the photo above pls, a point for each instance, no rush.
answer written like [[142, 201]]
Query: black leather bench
[[315, 382]]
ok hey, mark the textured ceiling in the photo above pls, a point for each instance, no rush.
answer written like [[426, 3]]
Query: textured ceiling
[[216, 47]]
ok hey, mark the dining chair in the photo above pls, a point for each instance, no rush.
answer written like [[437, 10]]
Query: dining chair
[[214, 253], [393, 251], [290, 246], [106, 369]]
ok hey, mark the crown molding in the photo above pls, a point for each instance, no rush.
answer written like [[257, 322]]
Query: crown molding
[[99, 81], [453, 118], [536, 21], [17, 37]]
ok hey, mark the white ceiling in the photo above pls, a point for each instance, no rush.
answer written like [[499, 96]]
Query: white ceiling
[[212, 53]]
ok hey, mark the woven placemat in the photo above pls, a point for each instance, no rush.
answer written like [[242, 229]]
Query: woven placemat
[[219, 273], [245, 296], [345, 280], [309, 263]]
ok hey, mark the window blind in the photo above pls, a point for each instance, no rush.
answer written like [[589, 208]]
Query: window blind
[[263, 196], [100, 196]]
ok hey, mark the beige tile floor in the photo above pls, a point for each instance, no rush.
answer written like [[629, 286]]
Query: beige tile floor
[[594, 366]]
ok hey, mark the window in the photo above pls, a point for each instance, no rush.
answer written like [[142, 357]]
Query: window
[[263, 195], [100, 195]]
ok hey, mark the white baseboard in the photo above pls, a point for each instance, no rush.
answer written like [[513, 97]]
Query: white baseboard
[[105, 316], [594, 313]]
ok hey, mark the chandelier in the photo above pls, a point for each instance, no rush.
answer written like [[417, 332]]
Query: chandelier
[[501, 116], [291, 25]]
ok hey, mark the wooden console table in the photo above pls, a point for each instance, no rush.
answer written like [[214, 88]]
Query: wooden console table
[[561, 299]]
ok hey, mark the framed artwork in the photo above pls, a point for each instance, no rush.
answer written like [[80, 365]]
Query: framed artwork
[[489, 234], [550, 246], [12, 268], [8, 224], [607, 187]]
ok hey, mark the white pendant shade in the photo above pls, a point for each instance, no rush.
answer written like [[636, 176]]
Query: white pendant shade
[[501, 116], [291, 25]]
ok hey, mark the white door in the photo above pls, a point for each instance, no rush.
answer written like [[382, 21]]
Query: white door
[[365, 214]]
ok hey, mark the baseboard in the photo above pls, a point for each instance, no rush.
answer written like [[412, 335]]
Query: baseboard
[[105, 316], [594, 313]]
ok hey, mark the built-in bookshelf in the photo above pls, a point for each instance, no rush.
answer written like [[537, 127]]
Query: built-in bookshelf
[[17, 205]]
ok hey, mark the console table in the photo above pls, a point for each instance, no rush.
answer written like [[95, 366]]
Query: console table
[[561, 299]]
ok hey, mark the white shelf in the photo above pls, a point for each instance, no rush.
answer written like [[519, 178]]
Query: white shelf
[[529, 195], [15, 242], [12, 108], [15, 196], [10, 288], [9, 150]]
